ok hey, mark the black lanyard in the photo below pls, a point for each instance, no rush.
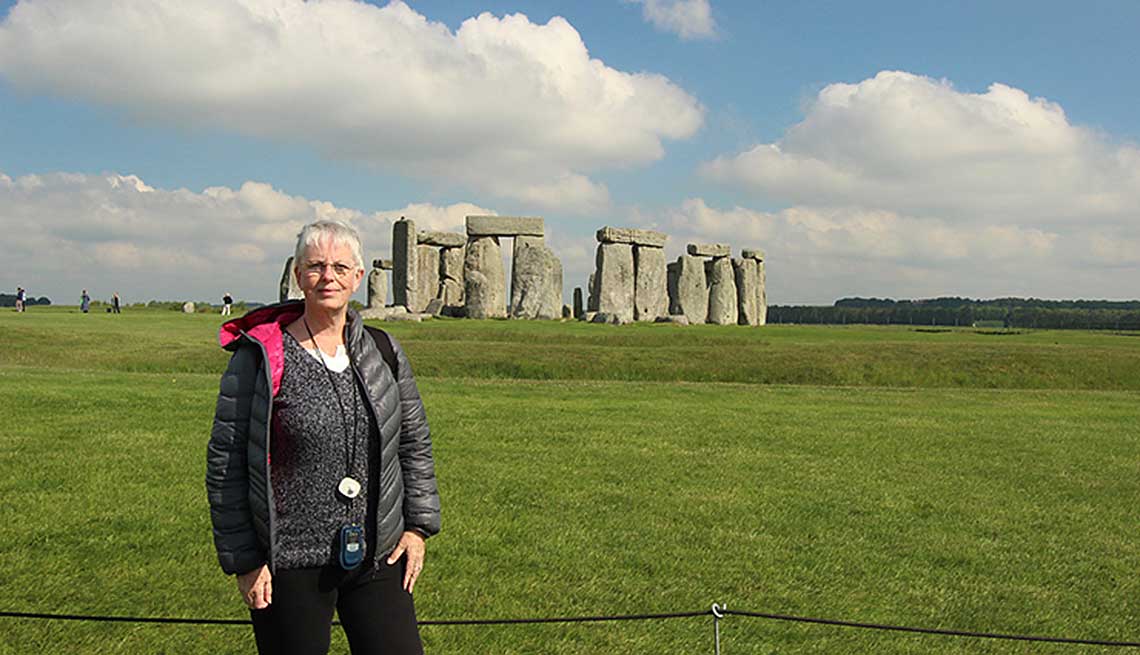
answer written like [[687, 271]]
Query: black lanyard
[[349, 460]]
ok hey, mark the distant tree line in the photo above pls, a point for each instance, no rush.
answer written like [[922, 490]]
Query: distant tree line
[[1005, 312], [9, 300]]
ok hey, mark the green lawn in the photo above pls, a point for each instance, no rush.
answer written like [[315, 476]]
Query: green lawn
[[952, 479]]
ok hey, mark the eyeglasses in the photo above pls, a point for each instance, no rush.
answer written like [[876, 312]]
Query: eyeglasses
[[340, 270]]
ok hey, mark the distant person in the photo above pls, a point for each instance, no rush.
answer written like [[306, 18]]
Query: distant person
[[227, 304], [115, 302], [21, 297], [84, 302], [325, 507]]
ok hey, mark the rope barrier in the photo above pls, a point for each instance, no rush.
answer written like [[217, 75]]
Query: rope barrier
[[93, 618], [931, 631], [570, 619], [96, 618], [718, 612]]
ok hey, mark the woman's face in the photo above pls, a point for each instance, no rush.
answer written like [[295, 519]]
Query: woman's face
[[328, 275]]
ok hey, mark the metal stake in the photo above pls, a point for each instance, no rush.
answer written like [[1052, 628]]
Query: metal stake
[[717, 616]]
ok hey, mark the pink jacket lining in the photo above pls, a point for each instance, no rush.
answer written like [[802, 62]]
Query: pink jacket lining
[[266, 326]]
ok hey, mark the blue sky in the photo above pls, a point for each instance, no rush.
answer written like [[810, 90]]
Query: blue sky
[[903, 149]]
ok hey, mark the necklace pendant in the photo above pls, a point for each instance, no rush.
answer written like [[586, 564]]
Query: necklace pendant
[[349, 488]]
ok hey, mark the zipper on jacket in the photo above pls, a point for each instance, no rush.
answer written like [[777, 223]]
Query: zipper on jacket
[[270, 505]]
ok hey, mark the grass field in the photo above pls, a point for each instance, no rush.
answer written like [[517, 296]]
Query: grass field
[[957, 479]]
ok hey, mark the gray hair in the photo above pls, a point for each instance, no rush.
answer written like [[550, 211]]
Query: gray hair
[[339, 232]]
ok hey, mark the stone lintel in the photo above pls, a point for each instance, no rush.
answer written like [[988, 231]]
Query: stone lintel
[[646, 238], [504, 226], [441, 239], [709, 250], [385, 264], [752, 253]]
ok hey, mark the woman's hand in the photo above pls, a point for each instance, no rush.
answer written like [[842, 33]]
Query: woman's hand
[[411, 543], [256, 587]]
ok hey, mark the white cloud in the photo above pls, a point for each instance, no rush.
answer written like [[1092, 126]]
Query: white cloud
[[819, 254], [501, 105], [929, 190], [917, 146], [804, 231], [688, 19], [115, 233]]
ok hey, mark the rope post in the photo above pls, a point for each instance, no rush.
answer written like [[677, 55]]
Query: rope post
[[717, 612]]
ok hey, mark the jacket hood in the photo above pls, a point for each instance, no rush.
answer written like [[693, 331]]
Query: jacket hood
[[260, 322], [265, 325]]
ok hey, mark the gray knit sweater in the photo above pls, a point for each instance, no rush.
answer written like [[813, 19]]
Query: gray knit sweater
[[316, 427]]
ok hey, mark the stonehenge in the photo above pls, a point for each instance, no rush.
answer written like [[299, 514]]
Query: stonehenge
[[632, 282], [629, 280], [647, 238], [536, 280], [713, 250], [536, 272], [484, 280], [650, 289], [745, 272], [720, 280], [451, 277], [504, 226], [435, 273], [613, 278], [688, 293], [427, 277], [404, 263], [442, 239], [289, 289], [378, 283], [426, 266], [751, 295]]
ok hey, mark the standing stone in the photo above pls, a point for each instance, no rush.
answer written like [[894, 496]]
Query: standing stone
[[592, 297], [722, 292], [672, 274], [578, 308], [377, 288], [451, 277], [404, 264], [688, 295], [761, 293], [427, 277], [746, 279], [289, 289], [614, 271], [536, 280], [434, 307], [484, 281], [650, 289]]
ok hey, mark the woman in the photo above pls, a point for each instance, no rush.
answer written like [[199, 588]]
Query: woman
[[84, 302], [320, 476]]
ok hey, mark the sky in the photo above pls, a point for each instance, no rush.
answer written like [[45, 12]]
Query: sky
[[172, 150]]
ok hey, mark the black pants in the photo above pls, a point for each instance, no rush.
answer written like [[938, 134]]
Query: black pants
[[376, 613]]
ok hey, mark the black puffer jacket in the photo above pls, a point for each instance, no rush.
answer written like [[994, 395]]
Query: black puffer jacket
[[238, 481]]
